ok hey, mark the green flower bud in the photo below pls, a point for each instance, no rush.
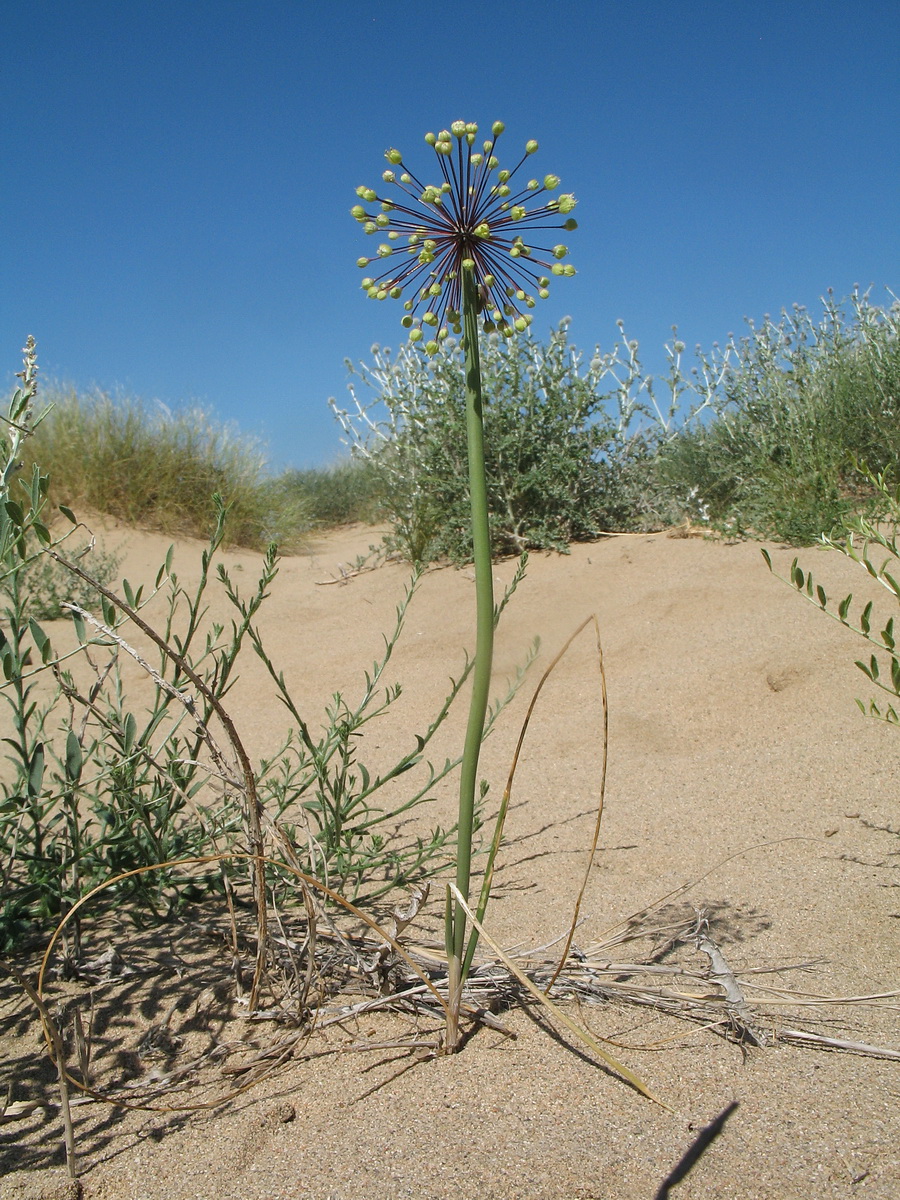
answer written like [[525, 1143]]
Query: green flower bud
[[517, 212], [503, 176], [458, 128], [560, 251], [386, 206], [543, 293], [358, 213], [382, 294], [483, 230], [444, 135], [395, 293], [468, 264], [431, 348], [435, 289], [406, 322], [388, 176], [488, 280], [570, 224], [551, 182], [415, 335], [471, 128], [486, 147], [503, 190], [430, 139], [444, 147], [384, 250], [429, 319], [477, 160], [557, 269], [404, 178], [521, 324], [393, 235], [497, 128], [533, 185], [363, 262], [515, 250], [366, 283], [393, 156], [531, 147], [568, 269], [446, 187], [543, 281], [382, 220], [493, 163], [566, 203], [507, 330], [370, 227]]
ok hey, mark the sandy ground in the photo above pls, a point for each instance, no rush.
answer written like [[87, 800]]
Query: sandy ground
[[737, 758]]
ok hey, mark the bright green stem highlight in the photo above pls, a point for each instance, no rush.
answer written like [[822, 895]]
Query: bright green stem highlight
[[484, 635]]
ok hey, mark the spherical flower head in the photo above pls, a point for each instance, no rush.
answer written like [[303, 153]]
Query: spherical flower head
[[478, 222]]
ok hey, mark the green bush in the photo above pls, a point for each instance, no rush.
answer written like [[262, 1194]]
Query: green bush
[[799, 403], [563, 462]]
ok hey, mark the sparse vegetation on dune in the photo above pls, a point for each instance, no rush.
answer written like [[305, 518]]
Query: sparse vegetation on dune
[[156, 804]]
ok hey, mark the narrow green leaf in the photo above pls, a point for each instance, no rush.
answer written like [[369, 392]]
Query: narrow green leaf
[[821, 597], [68, 514], [130, 731], [74, 759], [768, 559], [895, 675], [36, 770], [844, 607], [865, 619], [41, 641]]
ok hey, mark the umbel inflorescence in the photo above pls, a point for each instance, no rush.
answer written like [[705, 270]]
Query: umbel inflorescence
[[477, 219]]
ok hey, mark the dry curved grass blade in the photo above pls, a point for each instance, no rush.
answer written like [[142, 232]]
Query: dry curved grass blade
[[558, 1014], [485, 893]]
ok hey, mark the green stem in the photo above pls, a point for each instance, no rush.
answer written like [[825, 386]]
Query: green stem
[[484, 635]]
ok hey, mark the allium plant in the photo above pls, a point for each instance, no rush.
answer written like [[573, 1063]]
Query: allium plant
[[461, 253]]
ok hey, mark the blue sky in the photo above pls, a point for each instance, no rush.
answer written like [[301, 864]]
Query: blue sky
[[174, 216]]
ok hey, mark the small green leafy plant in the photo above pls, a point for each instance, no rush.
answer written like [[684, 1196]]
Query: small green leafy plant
[[100, 783], [864, 540]]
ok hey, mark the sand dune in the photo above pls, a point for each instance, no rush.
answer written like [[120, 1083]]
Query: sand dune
[[737, 758]]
